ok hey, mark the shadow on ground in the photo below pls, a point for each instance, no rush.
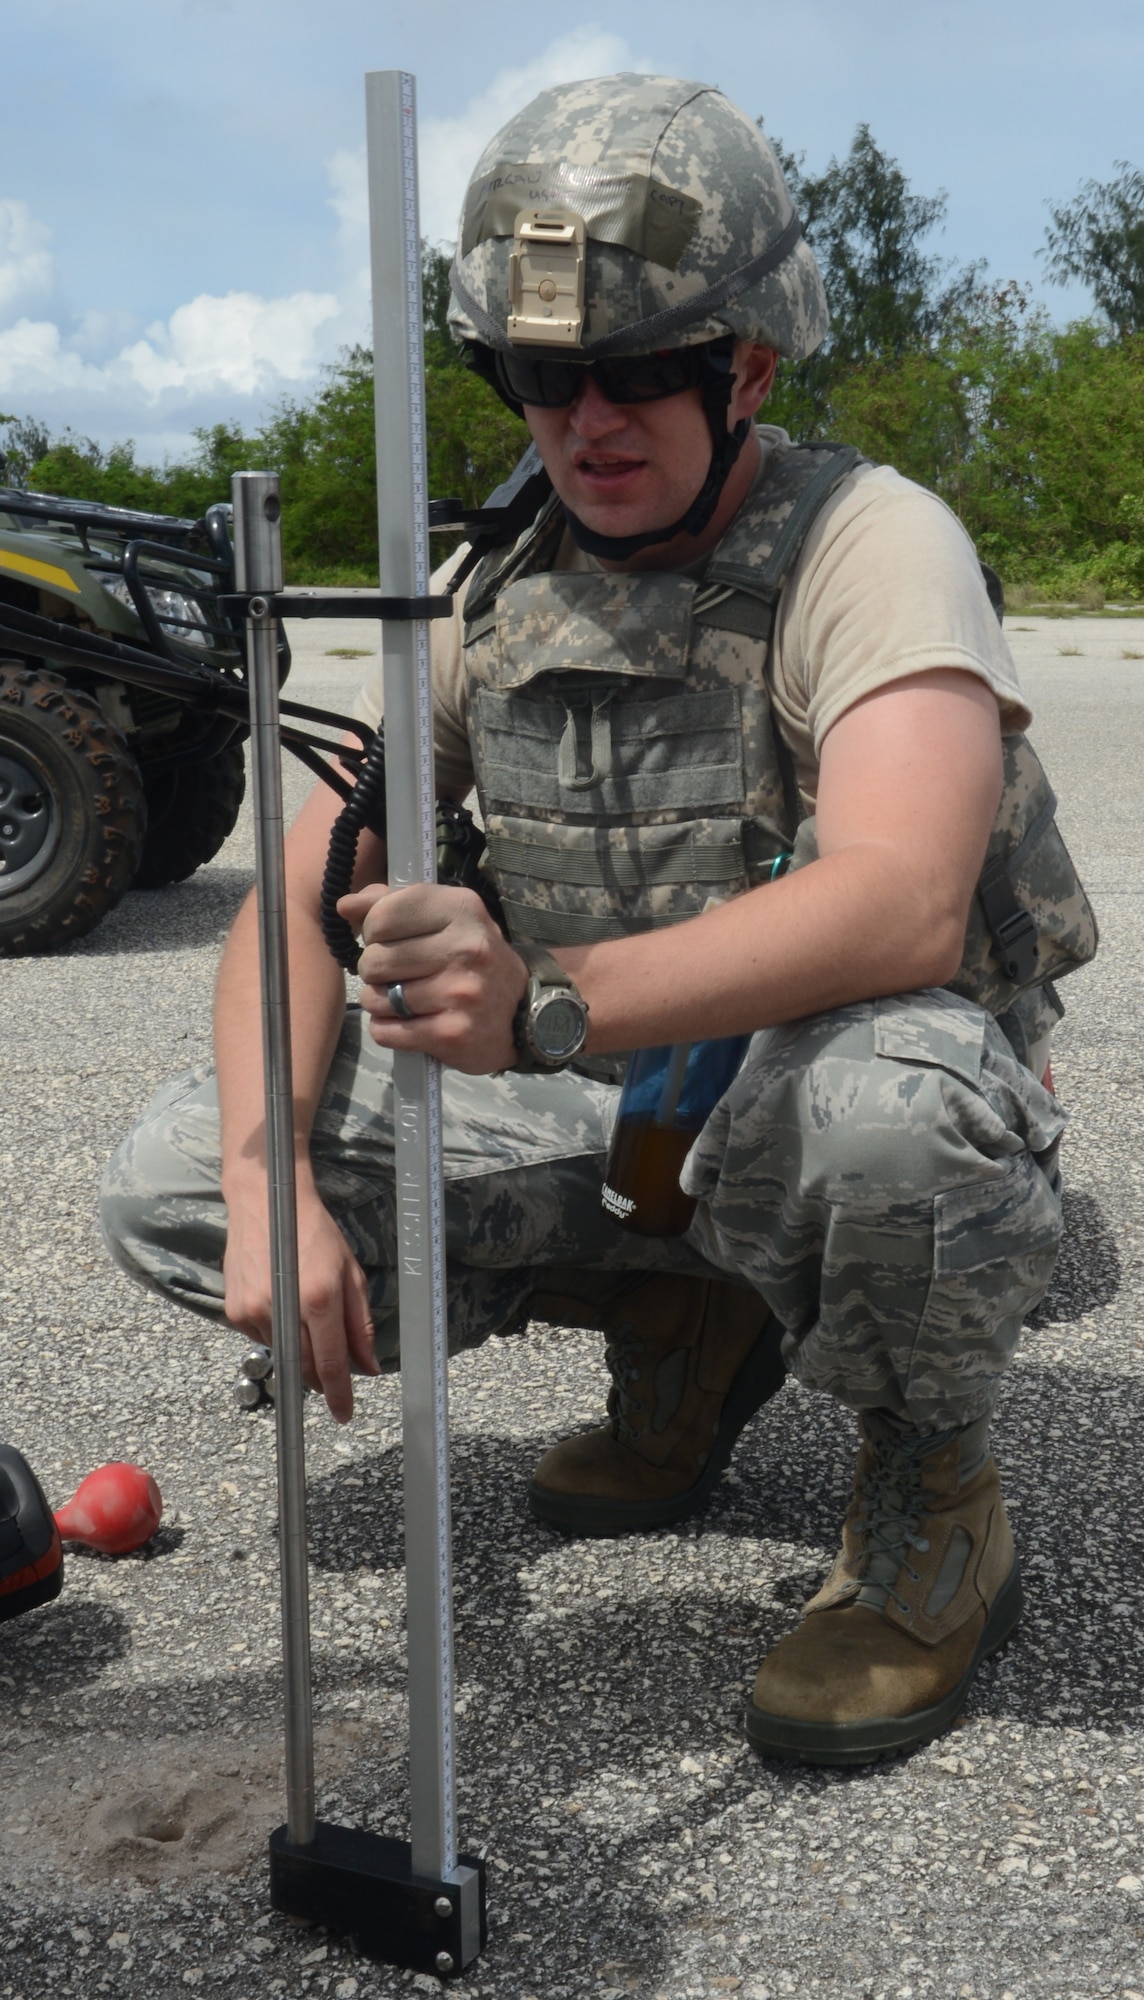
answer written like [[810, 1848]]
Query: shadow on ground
[[1064, 1439], [56, 1652], [185, 916], [591, 1675]]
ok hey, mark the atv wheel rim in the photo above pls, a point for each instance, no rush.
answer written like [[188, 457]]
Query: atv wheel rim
[[29, 820]]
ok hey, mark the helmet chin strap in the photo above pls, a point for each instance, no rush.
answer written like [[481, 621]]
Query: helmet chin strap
[[726, 446]]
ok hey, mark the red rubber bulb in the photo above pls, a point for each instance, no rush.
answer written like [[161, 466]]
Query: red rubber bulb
[[115, 1509]]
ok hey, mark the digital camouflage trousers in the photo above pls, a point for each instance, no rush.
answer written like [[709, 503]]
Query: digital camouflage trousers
[[884, 1176]]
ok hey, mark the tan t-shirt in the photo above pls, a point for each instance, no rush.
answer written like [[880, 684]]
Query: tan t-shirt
[[887, 584]]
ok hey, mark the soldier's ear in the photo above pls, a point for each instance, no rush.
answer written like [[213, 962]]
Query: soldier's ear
[[754, 373]]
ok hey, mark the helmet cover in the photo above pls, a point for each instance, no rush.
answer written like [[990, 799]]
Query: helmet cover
[[691, 232]]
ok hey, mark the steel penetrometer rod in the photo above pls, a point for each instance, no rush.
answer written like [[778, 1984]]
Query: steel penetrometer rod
[[403, 525], [258, 567]]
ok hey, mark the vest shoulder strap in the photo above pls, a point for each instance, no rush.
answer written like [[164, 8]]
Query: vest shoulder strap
[[534, 549], [763, 542], [745, 577]]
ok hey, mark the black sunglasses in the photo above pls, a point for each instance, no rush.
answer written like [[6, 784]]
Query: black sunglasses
[[631, 378]]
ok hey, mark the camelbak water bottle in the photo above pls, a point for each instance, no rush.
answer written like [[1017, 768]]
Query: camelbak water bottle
[[667, 1097]]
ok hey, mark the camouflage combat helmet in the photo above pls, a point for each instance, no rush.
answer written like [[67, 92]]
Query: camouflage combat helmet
[[691, 233], [631, 215]]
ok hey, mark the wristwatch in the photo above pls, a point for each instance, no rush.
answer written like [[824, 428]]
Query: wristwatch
[[551, 1024]]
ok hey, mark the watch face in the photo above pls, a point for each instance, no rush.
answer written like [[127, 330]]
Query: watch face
[[558, 1026]]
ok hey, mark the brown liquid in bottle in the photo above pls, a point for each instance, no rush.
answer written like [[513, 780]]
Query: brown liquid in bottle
[[641, 1180]]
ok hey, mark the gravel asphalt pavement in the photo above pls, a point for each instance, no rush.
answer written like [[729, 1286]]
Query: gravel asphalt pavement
[[636, 1845]]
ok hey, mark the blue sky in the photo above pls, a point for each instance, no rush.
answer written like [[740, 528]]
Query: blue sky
[[182, 200]]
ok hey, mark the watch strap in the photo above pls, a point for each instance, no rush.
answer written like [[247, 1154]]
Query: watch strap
[[542, 964]]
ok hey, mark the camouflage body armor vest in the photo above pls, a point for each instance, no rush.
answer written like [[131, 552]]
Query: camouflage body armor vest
[[630, 770]]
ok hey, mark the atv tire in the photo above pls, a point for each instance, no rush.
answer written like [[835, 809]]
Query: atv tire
[[72, 812], [191, 811]]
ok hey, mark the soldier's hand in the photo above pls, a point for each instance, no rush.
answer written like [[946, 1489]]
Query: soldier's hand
[[337, 1329], [460, 982]]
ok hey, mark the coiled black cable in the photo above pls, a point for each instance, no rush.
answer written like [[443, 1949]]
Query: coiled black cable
[[365, 807]]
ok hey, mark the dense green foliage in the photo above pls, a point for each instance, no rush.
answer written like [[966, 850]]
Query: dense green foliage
[[889, 296], [1034, 436], [77, 466], [1032, 433]]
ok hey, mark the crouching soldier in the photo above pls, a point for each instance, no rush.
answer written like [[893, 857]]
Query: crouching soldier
[[711, 649]]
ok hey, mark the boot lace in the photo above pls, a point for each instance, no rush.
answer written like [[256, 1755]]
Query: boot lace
[[891, 1510], [621, 1354]]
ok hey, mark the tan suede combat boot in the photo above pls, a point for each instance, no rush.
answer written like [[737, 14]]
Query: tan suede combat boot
[[691, 1359], [925, 1587]]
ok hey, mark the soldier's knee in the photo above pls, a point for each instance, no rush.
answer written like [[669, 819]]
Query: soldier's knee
[[881, 1101], [161, 1212]]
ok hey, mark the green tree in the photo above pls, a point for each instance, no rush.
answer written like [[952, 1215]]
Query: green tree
[[932, 412], [1098, 237], [223, 450], [325, 452], [889, 295], [22, 441], [81, 469], [1066, 454], [440, 348]]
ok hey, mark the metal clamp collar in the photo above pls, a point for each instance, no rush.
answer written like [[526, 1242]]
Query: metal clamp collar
[[339, 604]]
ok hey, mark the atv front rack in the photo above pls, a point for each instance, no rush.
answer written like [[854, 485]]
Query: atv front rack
[[221, 696], [89, 515], [215, 694]]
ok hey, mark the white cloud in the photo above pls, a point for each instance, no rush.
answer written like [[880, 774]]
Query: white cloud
[[240, 342], [448, 148], [33, 358], [350, 197], [100, 374], [26, 269]]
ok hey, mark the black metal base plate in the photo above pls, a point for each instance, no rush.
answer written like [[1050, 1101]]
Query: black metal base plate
[[363, 1885]]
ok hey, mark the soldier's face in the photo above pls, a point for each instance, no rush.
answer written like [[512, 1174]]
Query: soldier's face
[[625, 468]]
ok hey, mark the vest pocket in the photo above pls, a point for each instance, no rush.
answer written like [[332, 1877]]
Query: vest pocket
[[576, 884], [596, 749], [1042, 881]]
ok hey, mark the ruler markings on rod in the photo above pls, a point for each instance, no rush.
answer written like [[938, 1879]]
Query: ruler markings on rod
[[428, 837], [441, 1426]]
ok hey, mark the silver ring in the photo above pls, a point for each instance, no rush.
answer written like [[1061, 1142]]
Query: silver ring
[[395, 995]]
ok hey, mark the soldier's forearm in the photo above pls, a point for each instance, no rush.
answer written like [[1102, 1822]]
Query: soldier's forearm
[[317, 1007], [909, 783], [843, 929]]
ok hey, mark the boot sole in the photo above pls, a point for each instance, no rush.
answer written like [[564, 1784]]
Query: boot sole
[[884, 1736], [761, 1376]]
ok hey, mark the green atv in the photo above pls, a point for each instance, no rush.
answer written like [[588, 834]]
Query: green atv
[[107, 782], [124, 706]]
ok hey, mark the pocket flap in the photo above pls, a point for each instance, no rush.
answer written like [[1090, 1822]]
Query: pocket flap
[[560, 624], [933, 1029]]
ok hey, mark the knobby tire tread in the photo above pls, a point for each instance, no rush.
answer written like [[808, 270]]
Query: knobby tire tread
[[99, 792], [192, 810]]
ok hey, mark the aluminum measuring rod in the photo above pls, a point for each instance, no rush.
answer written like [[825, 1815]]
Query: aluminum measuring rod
[[415, 1903]]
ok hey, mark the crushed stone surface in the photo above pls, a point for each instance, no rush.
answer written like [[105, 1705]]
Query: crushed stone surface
[[636, 1846]]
